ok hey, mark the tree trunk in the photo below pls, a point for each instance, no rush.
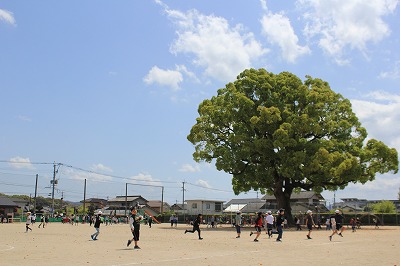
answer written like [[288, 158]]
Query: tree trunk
[[283, 199]]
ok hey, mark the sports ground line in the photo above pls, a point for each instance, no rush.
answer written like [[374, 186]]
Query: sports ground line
[[183, 259], [7, 249]]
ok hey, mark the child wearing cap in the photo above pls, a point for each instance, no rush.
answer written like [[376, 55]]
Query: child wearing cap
[[337, 227], [28, 221], [134, 223], [310, 223], [97, 223], [269, 223], [238, 222]]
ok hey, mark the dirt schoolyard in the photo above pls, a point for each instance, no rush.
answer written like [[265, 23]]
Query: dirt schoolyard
[[66, 244]]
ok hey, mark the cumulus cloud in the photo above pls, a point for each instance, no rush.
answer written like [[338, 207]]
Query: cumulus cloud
[[222, 50], [144, 179], [279, 31], [203, 183], [169, 78], [188, 168], [393, 74], [346, 24], [378, 113], [21, 163], [101, 167], [7, 17], [80, 175]]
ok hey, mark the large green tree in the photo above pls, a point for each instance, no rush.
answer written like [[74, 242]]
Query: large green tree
[[384, 206], [276, 133]]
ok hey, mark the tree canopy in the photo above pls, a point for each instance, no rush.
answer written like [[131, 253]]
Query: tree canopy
[[276, 133], [385, 206]]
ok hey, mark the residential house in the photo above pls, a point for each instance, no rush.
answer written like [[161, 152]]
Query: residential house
[[178, 208], [7, 208], [205, 207], [156, 206], [250, 205], [299, 202], [351, 204], [95, 202]]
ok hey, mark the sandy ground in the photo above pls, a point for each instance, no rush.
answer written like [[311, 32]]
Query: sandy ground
[[64, 244]]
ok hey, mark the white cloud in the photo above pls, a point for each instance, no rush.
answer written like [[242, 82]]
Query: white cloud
[[7, 16], [169, 78], [347, 24], [19, 163], [24, 118], [393, 74], [203, 183], [79, 175], [378, 113], [190, 168], [279, 31], [101, 167], [223, 51], [144, 179]]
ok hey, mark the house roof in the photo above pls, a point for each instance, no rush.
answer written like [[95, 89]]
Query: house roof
[[128, 198], [156, 203], [7, 202], [204, 200], [234, 207], [296, 195], [94, 200], [244, 201]]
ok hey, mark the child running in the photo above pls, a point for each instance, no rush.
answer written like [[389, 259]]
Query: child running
[[134, 223], [269, 223], [258, 225], [97, 223], [336, 222], [196, 226], [28, 222]]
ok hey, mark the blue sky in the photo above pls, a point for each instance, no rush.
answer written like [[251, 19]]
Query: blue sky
[[112, 87]]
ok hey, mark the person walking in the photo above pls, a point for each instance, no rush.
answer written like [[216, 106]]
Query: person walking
[[298, 223], [134, 223], [196, 226], [258, 226], [42, 221], [310, 223], [238, 222], [97, 222], [150, 220], [269, 223], [279, 222], [28, 222]]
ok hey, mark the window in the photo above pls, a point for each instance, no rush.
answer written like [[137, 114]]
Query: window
[[194, 205], [208, 206], [218, 206]]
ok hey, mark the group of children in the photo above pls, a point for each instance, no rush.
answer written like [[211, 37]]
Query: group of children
[[269, 221], [31, 219]]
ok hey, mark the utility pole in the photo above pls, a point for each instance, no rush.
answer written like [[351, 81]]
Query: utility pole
[[34, 206], [162, 200], [52, 193], [126, 197], [62, 198], [183, 200], [84, 197]]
